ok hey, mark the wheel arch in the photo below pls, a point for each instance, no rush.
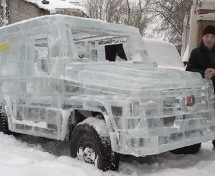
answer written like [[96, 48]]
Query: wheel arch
[[100, 109], [6, 107]]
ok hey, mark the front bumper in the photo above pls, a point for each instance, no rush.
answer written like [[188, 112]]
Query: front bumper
[[183, 132]]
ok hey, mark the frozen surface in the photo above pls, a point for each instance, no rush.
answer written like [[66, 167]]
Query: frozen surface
[[53, 65], [163, 53], [31, 158]]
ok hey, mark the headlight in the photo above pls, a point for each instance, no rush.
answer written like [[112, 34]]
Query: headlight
[[127, 116]]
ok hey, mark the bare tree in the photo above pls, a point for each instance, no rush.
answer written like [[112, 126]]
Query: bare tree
[[120, 11], [171, 15], [139, 16], [129, 12], [4, 12], [96, 9]]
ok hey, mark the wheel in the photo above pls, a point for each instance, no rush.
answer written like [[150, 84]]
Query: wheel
[[192, 149], [4, 122], [90, 142]]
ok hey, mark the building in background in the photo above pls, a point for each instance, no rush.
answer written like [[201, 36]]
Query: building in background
[[16, 10]]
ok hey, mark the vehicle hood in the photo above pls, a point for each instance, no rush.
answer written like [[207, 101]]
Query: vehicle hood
[[132, 76]]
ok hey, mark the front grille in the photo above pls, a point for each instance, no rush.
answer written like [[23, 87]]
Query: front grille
[[175, 101]]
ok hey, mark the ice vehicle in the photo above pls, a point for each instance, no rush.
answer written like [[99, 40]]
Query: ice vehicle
[[92, 83], [202, 13]]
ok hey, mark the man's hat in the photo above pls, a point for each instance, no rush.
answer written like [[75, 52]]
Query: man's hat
[[210, 29]]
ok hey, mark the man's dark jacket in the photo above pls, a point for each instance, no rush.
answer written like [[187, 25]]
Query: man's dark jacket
[[200, 59]]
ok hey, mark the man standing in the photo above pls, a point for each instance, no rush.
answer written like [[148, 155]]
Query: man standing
[[202, 58]]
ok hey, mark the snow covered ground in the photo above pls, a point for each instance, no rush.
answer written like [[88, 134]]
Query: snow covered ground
[[30, 156]]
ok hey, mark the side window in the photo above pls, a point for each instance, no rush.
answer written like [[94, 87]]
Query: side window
[[100, 45], [41, 55], [87, 49], [115, 53]]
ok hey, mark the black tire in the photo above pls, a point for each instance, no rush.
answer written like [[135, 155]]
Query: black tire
[[4, 122], [92, 146], [192, 149]]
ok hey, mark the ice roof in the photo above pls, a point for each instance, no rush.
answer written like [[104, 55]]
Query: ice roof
[[56, 4]]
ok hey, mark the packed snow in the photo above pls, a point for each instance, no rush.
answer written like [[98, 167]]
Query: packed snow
[[31, 156], [54, 4]]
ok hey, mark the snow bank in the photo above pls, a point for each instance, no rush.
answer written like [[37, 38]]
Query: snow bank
[[18, 158]]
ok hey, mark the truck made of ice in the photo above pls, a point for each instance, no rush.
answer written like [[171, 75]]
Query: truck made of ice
[[91, 82]]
